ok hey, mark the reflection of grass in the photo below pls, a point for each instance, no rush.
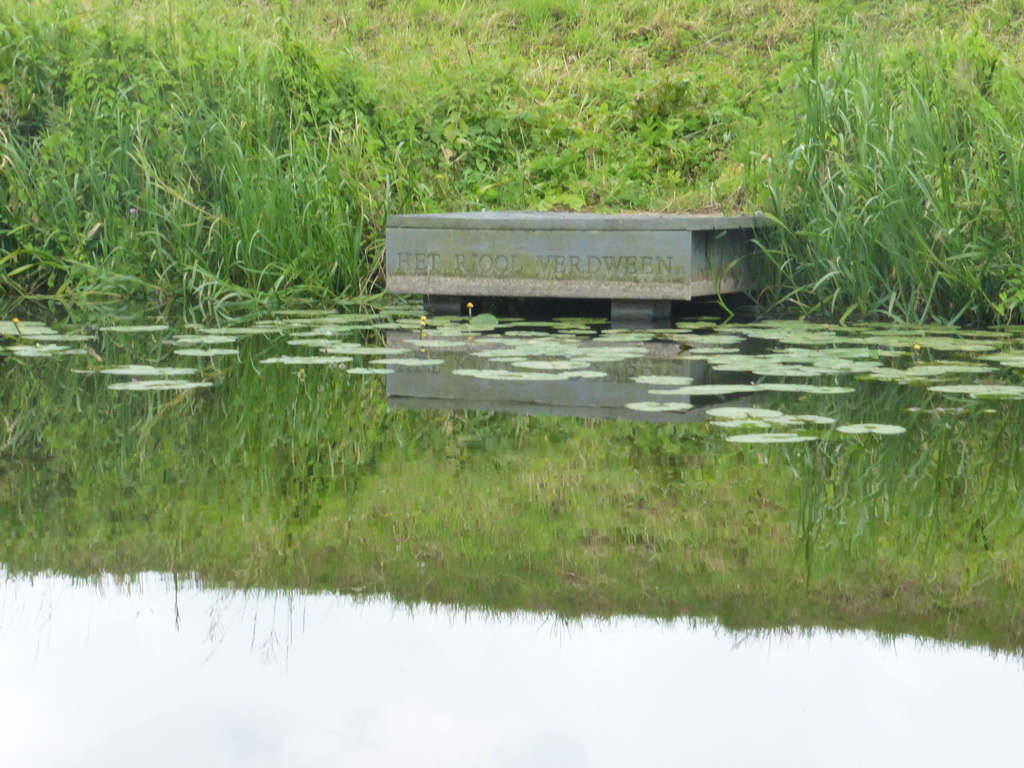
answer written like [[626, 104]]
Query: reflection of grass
[[934, 517], [266, 481]]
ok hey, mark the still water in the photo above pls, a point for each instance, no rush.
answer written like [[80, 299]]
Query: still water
[[116, 675], [315, 539]]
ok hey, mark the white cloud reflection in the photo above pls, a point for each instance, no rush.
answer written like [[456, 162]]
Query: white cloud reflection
[[101, 677]]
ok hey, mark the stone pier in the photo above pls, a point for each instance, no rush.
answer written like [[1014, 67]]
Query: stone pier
[[641, 262]]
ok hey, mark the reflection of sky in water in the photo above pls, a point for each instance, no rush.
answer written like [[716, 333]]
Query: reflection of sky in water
[[103, 679]]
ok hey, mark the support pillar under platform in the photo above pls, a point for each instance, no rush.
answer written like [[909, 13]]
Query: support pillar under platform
[[640, 312], [442, 305]]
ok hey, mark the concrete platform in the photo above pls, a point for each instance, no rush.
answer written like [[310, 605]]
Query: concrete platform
[[642, 262]]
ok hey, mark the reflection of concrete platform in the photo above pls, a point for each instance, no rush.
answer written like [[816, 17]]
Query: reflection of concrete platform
[[642, 262], [439, 388]]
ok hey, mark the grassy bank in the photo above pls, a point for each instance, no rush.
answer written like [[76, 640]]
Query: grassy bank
[[216, 150], [901, 192]]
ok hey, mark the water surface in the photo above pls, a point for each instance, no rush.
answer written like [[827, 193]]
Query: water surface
[[525, 544], [262, 680]]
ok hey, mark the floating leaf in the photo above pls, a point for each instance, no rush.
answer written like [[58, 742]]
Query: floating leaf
[[60, 337], [814, 419], [695, 325], [871, 429], [733, 412], [325, 332], [25, 328], [135, 328], [995, 391], [1007, 359], [314, 313], [739, 423], [501, 375], [205, 338], [147, 370], [708, 389], [241, 331], [41, 350], [434, 343], [770, 437], [617, 337], [664, 381], [205, 351], [152, 385], [809, 389], [309, 360], [408, 362], [919, 372], [956, 345], [650, 406], [358, 349], [715, 338], [553, 365]]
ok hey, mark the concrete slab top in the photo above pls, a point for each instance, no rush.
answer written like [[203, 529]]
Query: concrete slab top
[[619, 222]]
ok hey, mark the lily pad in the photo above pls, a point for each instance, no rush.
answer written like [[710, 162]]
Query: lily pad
[[147, 370], [664, 381], [651, 406], [205, 338], [434, 343], [553, 365], [27, 328], [134, 329], [733, 412], [502, 375], [742, 423], [358, 349], [309, 360], [42, 350], [695, 325], [715, 338], [312, 313], [205, 351], [809, 418], [241, 330], [994, 391], [1007, 359], [770, 437], [871, 429], [931, 371], [808, 389], [708, 389], [407, 362], [152, 385], [60, 337]]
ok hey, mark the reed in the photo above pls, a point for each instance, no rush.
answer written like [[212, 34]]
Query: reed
[[900, 193], [138, 162]]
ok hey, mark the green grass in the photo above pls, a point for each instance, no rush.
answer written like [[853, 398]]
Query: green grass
[[214, 150], [901, 194], [137, 162]]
